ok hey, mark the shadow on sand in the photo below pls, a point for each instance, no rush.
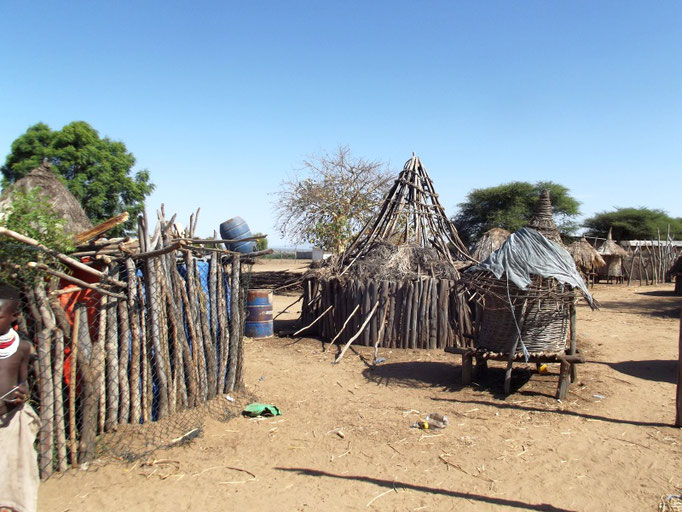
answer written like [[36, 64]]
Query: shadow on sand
[[395, 485]]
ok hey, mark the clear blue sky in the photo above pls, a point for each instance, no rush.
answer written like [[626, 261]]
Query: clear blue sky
[[222, 100]]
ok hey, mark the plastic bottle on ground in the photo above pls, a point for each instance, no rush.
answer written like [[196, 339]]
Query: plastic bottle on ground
[[436, 420]]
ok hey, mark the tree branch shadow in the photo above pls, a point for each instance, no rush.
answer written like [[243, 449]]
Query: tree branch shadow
[[392, 484]]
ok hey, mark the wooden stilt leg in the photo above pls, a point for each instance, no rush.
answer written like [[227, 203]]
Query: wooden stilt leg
[[564, 379], [467, 367], [573, 340], [481, 366], [507, 378]]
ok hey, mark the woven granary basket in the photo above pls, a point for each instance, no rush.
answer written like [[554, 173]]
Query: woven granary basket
[[542, 314]]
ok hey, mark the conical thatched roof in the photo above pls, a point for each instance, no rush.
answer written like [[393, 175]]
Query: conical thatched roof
[[586, 257], [543, 219], [411, 215], [61, 199], [489, 242], [611, 248]]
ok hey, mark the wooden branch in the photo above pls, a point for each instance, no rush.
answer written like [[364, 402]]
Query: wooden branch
[[357, 334], [72, 389], [215, 241], [61, 257], [286, 308], [313, 322], [101, 228], [344, 325], [678, 419], [159, 252], [66, 277]]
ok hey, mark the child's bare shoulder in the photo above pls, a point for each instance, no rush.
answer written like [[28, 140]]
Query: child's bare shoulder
[[26, 348]]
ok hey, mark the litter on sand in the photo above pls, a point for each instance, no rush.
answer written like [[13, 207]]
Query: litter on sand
[[257, 409]]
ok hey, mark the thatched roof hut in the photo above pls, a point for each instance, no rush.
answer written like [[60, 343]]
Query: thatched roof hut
[[613, 255], [491, 241], [394, 286], [60, 198], [543, 218], [586, 257]]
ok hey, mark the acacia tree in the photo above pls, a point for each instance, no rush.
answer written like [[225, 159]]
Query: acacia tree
[[335, 196], [96, 170], [510, 206], [633, 223]]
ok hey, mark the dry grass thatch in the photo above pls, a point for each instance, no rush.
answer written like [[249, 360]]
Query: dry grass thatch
[[61, 199], [586, 257], [489, 242], [387, 262], [611, 248]]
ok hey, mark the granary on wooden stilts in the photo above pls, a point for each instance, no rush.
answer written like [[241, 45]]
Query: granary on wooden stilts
[[525, 294], [613, 255], [587, 259], [491, 241], [394, 286]]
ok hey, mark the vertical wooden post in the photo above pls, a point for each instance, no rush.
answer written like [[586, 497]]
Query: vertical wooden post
[[233, 361], [574, 336], [678, 419], [467, 368], [73, 445]]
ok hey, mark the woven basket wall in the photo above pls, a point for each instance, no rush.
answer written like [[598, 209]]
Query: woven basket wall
[[544, 322]]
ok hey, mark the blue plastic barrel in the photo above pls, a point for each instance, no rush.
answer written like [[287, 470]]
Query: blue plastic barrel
[[236, 229], [258, 322]]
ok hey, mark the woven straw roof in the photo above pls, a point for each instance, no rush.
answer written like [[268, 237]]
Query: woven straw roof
[[489, 242], [585, 256], [543, 219], [60, 198], [611, 248]]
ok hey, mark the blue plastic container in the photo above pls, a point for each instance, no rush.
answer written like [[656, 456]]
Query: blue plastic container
[[236, 229], [259, 323]]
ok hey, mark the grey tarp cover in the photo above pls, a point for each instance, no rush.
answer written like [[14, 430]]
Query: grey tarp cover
[[527, 252]]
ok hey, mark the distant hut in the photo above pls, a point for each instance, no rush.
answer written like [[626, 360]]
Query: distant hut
[[543, 218], [586, 258], [394, 286], [613, 255], [63, 202], [491, 241], [675, 272]]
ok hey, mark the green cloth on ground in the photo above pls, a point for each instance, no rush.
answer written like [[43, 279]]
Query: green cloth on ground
[[256, 409]]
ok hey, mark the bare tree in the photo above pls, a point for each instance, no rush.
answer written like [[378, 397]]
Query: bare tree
[[330, 200]]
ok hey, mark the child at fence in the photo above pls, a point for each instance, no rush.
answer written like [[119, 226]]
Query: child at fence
[[18, 422]]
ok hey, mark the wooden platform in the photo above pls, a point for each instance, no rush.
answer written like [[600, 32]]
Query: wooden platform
[[567, 373]]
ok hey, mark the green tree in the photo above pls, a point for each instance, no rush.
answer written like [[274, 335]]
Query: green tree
[[96, 170], [31, 214], [633, 224], [510, 206], [261, 243], [335, 197]]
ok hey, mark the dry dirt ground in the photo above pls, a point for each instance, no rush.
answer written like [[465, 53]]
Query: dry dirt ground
[[344, 440]]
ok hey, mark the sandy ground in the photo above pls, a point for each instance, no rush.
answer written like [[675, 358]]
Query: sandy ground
[[344, 440]]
